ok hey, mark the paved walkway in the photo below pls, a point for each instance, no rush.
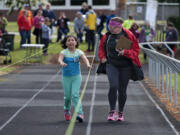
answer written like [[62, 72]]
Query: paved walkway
[[31, 103]]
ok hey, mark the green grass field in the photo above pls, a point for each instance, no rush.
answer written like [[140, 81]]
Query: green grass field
[[173, 80]]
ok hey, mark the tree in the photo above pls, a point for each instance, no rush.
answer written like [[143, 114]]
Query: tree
[[169, 1], [12, 4]]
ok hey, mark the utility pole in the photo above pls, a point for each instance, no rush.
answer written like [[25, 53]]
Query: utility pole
[[179, 7], [122, 7]]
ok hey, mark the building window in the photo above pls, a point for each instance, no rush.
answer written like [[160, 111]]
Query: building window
[[57, 2], [100, 2], [77, 2]]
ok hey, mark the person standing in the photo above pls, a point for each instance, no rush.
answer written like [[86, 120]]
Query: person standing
[[50, 14], [46, 32], [84, 9], [79, 26], [38, 20], [100, 23], [24, 26], [3, 23], [171, 36], [69, 59], [40, 7], [147, 34], [91, 27], [62, 24], [113, 14], [118, 65], [29, 18], [128, 23], [134, 29]]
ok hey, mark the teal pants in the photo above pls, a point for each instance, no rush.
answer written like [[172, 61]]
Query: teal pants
[[71, 86]]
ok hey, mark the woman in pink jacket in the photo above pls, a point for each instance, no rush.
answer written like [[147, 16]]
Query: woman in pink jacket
[[38, 20]]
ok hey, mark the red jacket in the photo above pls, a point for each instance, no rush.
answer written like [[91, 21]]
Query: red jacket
[[131, 54], [29, 16], [23, 23]]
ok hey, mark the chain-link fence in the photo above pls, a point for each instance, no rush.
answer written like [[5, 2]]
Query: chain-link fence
[[138, 10]]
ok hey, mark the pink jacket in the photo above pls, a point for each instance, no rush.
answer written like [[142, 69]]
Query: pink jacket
[[37, 21]]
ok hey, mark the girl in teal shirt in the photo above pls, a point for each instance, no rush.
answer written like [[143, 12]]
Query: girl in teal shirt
[[69, 59]]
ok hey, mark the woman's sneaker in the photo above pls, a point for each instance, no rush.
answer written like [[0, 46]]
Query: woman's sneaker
[[111, 116], [120, 117], [67, 115], [80, 118]]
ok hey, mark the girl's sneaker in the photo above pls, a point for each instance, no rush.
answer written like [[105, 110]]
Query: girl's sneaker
[[67, 115], [111, 116], [120, 116], [80, 118]]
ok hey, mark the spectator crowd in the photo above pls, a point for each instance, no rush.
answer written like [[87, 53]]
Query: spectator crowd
[[87, 23]]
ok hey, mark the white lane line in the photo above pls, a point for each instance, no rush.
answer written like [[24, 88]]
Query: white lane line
[[60, 90], [28, 102], [88, 131], [159, 108]]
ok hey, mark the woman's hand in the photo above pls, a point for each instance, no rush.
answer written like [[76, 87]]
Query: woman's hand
[[120, 51], [103, 60]]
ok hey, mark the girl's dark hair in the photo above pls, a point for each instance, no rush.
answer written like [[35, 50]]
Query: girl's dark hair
[[63, 42]]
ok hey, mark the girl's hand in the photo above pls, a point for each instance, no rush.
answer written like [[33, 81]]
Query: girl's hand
[[89, 67], [63, 64]]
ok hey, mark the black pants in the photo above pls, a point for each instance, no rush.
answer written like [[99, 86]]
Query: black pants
[[61, 31], [118, 80], [145, 55], [91, 39], [46, 43], [38, 33]]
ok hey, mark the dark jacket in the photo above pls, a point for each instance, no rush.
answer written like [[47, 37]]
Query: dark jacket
[[43, 12], [172, 35], [62, 23], [50, 14]]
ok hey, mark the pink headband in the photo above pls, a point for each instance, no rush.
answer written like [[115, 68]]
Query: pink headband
[[115, 23]]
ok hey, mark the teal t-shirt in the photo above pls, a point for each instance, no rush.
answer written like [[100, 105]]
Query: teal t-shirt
[[72, 59]]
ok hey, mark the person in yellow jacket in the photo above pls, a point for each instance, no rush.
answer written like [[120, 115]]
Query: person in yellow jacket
[[90, 24], [128, 23]]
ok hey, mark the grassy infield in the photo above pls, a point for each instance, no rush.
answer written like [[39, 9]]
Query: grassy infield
[[54, 48]]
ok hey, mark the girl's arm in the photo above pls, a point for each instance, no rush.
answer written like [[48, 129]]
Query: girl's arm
[[86, 61], [60, 60]]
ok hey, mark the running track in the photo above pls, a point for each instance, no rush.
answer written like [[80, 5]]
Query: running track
[[31, 103]]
